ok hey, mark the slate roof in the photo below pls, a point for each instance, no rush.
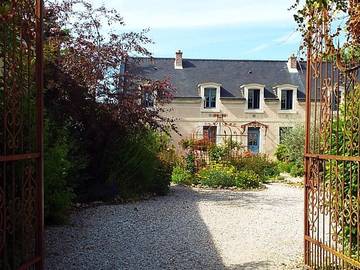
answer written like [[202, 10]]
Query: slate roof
[[231, 74]]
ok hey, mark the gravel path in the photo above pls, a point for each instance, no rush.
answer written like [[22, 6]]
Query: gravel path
[[188, 229]]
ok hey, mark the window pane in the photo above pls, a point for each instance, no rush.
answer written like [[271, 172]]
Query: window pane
[[253, 99], [210, 97], [283, 100], [256, 99], [250, 99], [289, 99]]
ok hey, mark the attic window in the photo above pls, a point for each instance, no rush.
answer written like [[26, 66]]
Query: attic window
[[210, 98], [287, 99], [254, 99], [210, 94]]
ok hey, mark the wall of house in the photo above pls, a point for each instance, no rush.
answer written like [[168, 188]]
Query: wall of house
[[191, 117]]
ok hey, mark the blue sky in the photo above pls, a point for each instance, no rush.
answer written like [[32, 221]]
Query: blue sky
[[218, 29]]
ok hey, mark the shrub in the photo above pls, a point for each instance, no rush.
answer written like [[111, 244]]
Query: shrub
[[284, 166], [217, 175], [217, 152], [247, 179], [190, 162], [292, 151], [259, 164], [181, 176], [137, 165], [281, 153], [297, 170], [57, 168]]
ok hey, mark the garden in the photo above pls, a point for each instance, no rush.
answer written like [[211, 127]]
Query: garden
[[225, 165]]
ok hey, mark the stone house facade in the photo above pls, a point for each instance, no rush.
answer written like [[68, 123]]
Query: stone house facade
[[254, 101]]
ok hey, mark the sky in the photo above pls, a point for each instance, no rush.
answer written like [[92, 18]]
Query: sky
[[213, 29]]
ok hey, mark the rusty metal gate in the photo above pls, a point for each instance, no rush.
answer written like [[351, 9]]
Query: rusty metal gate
[[332, 164], [21, 120]]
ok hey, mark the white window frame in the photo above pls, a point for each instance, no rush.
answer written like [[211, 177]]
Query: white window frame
[[254, 86], [202, 88], [284, 87]]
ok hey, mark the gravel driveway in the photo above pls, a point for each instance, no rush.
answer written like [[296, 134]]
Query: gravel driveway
[[188, 229]]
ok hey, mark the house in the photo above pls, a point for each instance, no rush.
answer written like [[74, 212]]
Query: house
[[251, 101]]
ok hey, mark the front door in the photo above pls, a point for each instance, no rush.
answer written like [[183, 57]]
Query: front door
[[253, 139]]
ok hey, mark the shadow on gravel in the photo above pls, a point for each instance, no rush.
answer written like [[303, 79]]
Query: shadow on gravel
[[163, 233], [250, 199], [251, 266]]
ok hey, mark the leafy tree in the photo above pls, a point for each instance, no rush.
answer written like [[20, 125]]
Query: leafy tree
[[88, 92]]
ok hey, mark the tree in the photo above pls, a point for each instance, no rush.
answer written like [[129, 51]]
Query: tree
[[88, 93]]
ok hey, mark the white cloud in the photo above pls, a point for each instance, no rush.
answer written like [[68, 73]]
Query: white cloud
[[199, 13], [259, 48], [290, 38]]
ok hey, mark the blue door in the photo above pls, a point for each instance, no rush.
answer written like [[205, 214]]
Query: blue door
[[253, 139]]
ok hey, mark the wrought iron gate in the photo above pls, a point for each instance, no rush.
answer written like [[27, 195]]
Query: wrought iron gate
[[21, 120], [332, 161]]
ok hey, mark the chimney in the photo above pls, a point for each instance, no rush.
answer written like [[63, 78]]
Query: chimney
[[178, 60], [292, 64]]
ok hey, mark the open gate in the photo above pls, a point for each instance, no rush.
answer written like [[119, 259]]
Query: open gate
[[21, 138], [332, 162]]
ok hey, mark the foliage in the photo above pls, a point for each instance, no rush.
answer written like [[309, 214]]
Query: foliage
[[345, 141], [139, 164], [247, 179], [282, 153], [217, 175], [325, 22], [57, 169], [225, 150], [181, 176], [284, 166], [297, 170], [291, 152], [88, 91], [225, 175], [190, 162], [259, 164]]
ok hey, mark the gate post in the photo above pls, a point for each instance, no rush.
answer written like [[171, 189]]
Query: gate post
[[40, 130]]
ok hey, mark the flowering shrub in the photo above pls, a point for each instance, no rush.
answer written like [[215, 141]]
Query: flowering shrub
[[259, 164], [217, 175], [225, 175]]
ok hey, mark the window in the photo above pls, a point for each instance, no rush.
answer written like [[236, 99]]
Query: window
[[254, 99], [210, 98], [209, 132], [148, 100], [282, 133], [287, 99]]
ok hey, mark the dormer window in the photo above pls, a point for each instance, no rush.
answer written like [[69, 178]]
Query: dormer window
[[287, 99], [210, 98], [210, 93], [287, 94], [254, 94], [254, 99]]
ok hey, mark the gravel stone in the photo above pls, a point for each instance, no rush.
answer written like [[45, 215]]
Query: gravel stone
[[190, 228]]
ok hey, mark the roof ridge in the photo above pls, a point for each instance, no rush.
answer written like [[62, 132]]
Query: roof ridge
[[203, 59]]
